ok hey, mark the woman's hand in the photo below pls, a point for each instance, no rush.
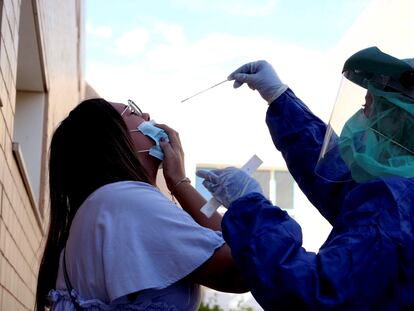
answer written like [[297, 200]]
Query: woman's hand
[[174, 173], [173, 163]]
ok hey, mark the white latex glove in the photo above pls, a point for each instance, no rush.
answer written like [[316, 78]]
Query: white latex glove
[[229, 184], [259, 76]]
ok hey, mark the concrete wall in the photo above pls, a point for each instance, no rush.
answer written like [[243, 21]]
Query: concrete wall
[[40, 54]]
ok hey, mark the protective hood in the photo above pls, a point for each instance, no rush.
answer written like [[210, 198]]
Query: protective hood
[[371, 128]]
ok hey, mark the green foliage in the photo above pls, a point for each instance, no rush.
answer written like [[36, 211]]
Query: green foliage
[[241, 308], [207, 307], [215, 307]]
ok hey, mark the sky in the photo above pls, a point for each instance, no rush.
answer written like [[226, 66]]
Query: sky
[[160, 52], [316, 24]]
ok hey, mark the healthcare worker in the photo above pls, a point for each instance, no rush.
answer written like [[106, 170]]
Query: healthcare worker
[[357, 171]]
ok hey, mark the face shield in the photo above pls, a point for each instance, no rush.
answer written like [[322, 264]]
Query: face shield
[[371, 130]]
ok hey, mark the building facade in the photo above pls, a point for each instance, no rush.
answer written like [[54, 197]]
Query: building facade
[[41, 80]]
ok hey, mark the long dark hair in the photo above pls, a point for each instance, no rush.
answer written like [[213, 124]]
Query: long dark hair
[[90, 148]]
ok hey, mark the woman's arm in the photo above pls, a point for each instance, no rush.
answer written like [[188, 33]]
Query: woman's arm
[[219, 271], [174, 173], [192, 201]]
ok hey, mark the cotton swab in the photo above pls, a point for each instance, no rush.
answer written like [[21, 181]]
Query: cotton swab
[[204, 90]]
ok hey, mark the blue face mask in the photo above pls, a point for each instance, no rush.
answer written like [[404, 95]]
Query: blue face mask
[[156, 134]]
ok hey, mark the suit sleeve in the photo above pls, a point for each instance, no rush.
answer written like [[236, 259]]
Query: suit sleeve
[[298, 134], [352, 269]]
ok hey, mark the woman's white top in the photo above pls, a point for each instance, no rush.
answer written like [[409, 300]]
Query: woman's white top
[[128, 237]]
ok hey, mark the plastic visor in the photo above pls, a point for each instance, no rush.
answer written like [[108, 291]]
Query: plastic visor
[[370, 134]]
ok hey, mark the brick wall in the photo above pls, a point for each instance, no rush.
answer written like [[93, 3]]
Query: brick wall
[[58, 24]]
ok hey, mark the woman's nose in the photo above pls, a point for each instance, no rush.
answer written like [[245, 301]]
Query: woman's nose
[[146, 116]]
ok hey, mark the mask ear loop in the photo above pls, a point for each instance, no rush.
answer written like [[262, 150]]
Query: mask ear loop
[[139, 151], [146, 150]]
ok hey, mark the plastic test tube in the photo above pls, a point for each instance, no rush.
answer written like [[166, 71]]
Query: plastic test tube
[[212, 205]]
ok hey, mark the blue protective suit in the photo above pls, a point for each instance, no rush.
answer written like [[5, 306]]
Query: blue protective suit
[[367, 262]]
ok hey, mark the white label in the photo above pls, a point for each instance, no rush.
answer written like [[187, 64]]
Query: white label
[[249, 167]]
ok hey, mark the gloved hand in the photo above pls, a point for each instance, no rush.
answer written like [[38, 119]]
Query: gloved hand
[[229, 184], [259, 76]]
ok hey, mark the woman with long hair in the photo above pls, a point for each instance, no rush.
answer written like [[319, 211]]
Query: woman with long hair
[[115, 241]]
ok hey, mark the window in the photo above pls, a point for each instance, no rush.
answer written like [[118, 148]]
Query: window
[[277, 185], [30, 109]]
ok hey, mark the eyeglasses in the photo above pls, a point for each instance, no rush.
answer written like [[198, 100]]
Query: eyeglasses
[[133, 108]]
